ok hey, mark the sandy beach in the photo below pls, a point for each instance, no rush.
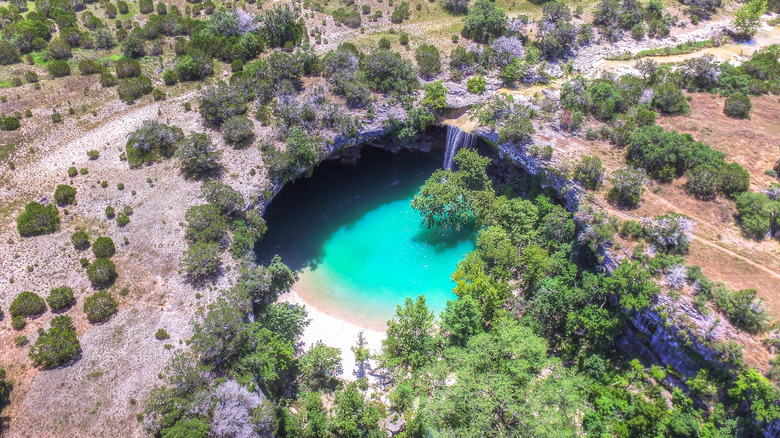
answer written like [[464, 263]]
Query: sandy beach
[[334, 332]]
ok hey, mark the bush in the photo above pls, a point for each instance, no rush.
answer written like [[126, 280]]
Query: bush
[[65, 194], [11, 123], [202, 261], [589, 171], [738, 106], [669, 99], [428, 60], [8, 53], [109, 212], [60, 298], [58, 50], [107, 79], [162, 335], [30, 76], [102, 273], [56, 346], [170, 77], [628, 184], [127, 68], [37, 219], [484, 22], [122, 219], [27, 304], [229, 200], [198, 156], [130, 89], [237, 131], [89, 67], [99, 306], [205, 223], [217, 104], [104, 39], [387, 72], [58, 68], [631, 229], [757, 214], [194, 66], [152, 142], [80, 240], [18, 322], [103, 247], [734, 179], [476, 85]]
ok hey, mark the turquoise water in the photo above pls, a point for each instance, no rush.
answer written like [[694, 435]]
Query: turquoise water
[[359, 247]]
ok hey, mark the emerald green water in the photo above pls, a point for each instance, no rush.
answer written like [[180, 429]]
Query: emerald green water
[[359, 247]]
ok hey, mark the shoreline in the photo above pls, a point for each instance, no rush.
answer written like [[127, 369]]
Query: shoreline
[[334, 331]]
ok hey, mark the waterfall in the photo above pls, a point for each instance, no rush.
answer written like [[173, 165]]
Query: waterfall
[[456, 139]]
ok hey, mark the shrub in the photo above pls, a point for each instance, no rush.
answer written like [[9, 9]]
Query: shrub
[[738, 106], [60, 298], [162, 335], [80, 240], [58, 50], [671, 232], [757, 213], [99, 306], [516, 129], [30, 76], [476, 85], [170, 77], [131, 89], [589, 171], [107, 79], [202, 261], [456, 6], [205, 223], [734, 178], [27, 304], [669, 99], [18, 322], [122, 219], [127, 68], [93, 154], [37, 219], [56, 346], [152, 142], [65, 194], [198, 156], [104, 39], [217, 104], [631, 229], [8, 53], [484, 22], [58, 68], [229, 200], [628, 184], [109, 212], [89, 67], [103, 247], [194, 66], [10, 123], [387, 72], [237, 131], [428, 60], [102, 273]]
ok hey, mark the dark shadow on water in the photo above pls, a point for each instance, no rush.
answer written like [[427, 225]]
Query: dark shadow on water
[[306, 213], [442, 241]]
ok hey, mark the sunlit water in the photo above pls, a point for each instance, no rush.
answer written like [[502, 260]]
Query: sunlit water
[[359, 247]]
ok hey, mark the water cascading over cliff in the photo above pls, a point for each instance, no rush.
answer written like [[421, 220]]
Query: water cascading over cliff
[[456, 139]]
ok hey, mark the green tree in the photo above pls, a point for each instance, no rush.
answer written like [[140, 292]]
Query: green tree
[[757, 394], [101, 273], [205, 223], [37, 219], [747, 18], [56, 346], [60, 298], [202, 261], [319, 365], [65, 194], [484, 22], [103, 247], [27, 304], [461, 320], [99, 306], [198, 156], [354, 417], [411, 340]]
